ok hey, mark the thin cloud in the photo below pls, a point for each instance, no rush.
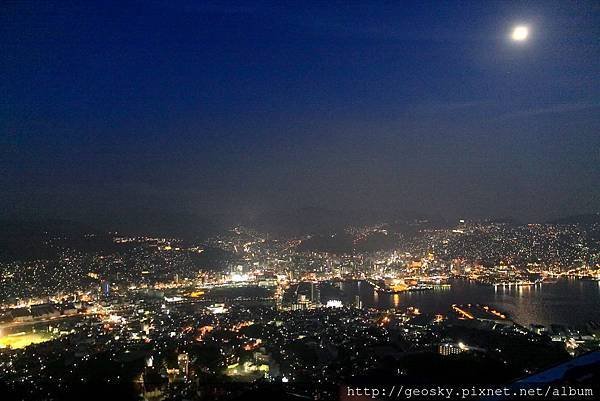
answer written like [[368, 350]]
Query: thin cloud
[[450, 106], [554, 109]]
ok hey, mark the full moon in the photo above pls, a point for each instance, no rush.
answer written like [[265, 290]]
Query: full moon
[[520, 33]]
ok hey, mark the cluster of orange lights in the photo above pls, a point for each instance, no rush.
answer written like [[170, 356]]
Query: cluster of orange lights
[[203, 331], [463, 313], [238, 326], [494, 312], [466, 315], [252, 345]]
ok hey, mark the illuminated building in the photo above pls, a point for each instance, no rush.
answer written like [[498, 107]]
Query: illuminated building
[[183, 362], [446, 349], [357, 302]]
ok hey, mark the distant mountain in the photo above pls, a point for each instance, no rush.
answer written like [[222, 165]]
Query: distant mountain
[[317, 220], [345, 243], [306, 220], [42, 239], [506, 220], [159, 223], [10, 227], [583, 219]]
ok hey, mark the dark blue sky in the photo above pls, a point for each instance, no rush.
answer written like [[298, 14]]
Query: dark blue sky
[[217, 107]]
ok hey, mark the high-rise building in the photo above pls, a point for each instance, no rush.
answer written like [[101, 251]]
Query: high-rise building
[[315, 293], [105, 287], [183, 362], [303, 303], [446, 349]]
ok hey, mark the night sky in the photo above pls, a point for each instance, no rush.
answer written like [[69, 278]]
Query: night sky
[[254, 107]]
